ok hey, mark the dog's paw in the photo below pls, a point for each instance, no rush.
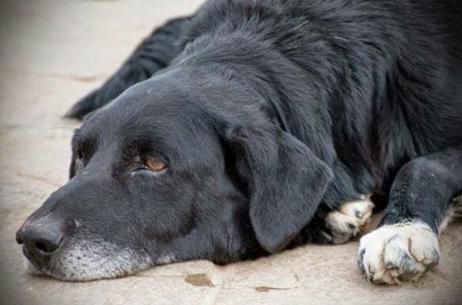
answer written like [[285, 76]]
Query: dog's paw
[[349, 220], [400, 252]]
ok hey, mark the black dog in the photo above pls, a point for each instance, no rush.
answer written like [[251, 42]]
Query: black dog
[[255, 126]]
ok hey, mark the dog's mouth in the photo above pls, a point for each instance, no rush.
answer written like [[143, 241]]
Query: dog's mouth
[[86, 260]]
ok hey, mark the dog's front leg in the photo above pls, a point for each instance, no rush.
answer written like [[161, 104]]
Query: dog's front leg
[[406, 243]]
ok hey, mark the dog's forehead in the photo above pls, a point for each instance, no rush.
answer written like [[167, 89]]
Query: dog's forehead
[[142, 107], [169, 125]]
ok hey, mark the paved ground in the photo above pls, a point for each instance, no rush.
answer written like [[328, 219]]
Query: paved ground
[[53, 52]]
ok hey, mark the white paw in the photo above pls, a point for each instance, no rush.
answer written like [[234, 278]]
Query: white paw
[[398, 252], [348, 221]]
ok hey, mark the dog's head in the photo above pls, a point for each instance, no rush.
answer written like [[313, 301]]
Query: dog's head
[[172, 170]]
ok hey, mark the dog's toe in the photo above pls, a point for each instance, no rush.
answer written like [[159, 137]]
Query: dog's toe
[[349, 220], [400, 252]]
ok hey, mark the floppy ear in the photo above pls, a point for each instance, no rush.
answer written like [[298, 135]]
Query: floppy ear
[[286, 182]]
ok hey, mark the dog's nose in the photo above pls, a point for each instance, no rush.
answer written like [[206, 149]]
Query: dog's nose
[[41, 237]]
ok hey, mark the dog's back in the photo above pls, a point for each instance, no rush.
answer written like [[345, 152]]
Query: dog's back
[[433, 86], [394, 65]]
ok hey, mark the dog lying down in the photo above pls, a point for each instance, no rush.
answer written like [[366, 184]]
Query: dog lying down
[[256, 126]]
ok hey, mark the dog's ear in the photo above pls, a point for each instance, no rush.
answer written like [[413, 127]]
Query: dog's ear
[[286, 182]]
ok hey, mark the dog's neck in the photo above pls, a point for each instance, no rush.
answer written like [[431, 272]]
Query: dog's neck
[[257, 65]]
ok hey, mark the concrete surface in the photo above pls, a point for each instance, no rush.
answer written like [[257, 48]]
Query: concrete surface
[[53, 52]]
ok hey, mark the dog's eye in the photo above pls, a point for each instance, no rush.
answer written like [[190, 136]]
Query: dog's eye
[[154, 164]]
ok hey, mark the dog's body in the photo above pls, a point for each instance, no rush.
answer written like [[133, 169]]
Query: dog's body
[[316, 105]]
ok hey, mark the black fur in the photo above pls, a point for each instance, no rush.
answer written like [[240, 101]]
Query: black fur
[[270, 114]]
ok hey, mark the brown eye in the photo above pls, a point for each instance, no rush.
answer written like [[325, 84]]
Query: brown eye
[[155, 164]]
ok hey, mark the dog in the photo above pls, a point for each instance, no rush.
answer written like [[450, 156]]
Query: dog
[[252, 127]]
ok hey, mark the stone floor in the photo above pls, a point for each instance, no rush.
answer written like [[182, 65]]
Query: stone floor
[[54, 51]]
